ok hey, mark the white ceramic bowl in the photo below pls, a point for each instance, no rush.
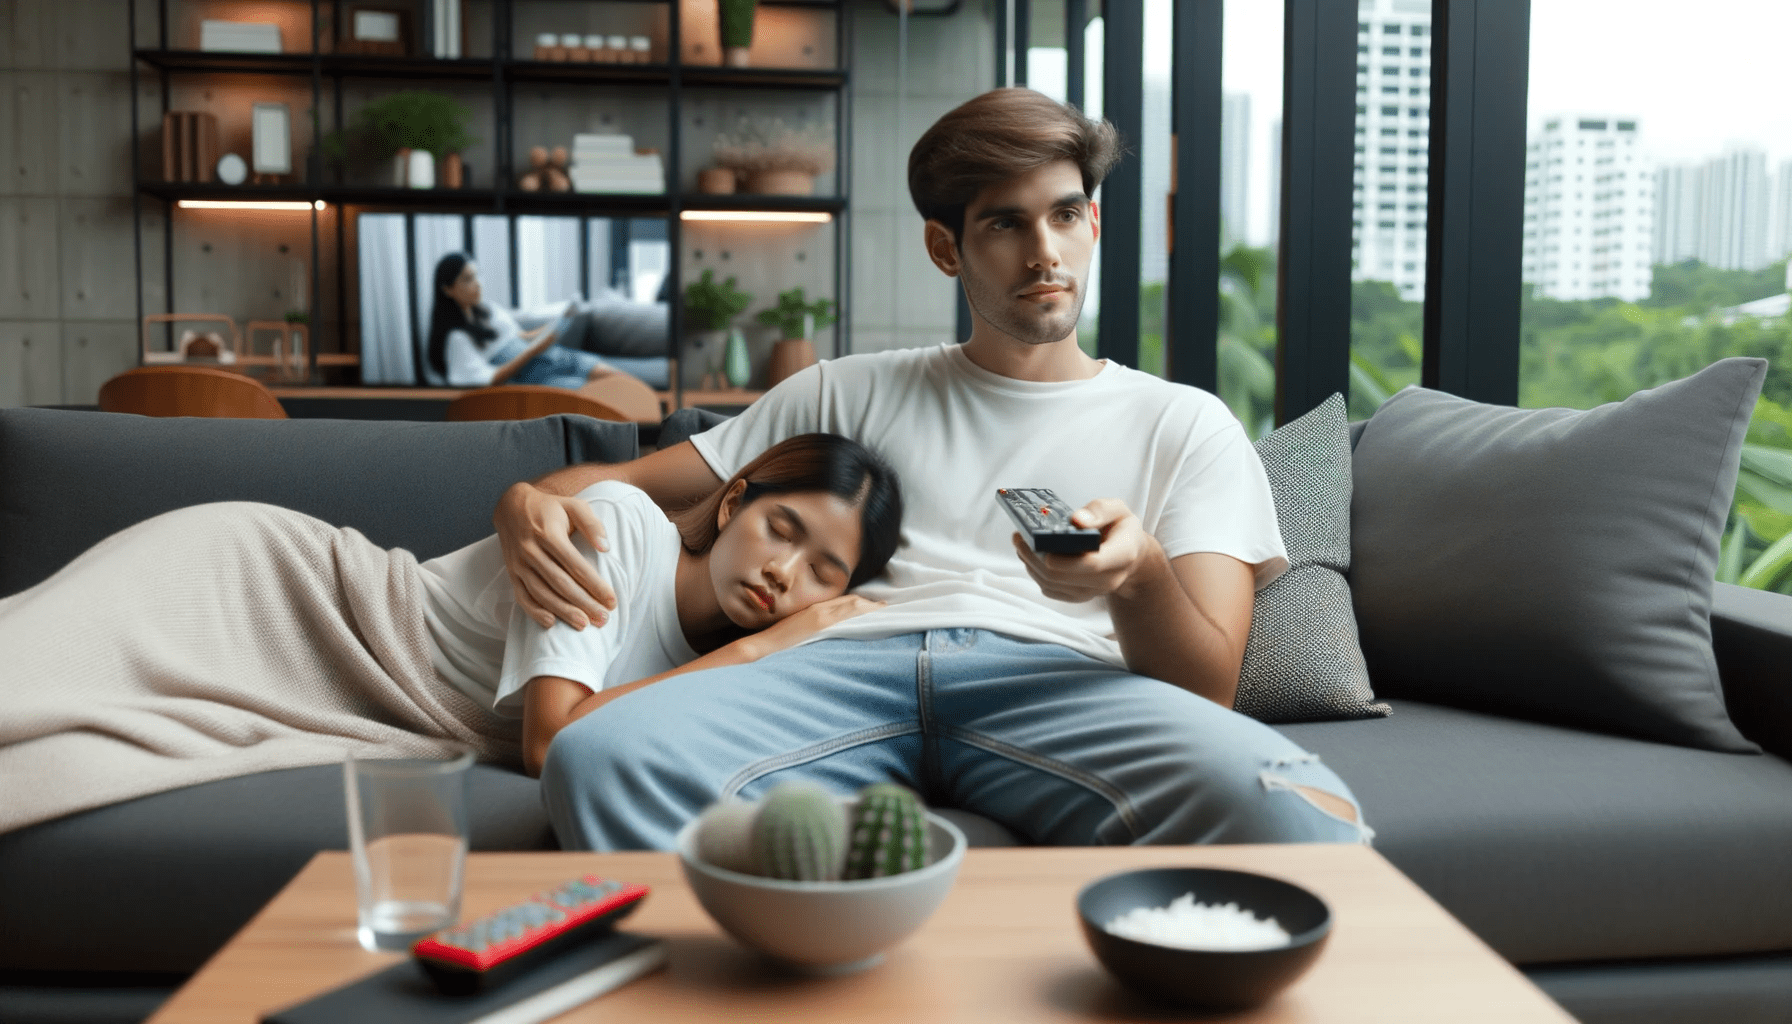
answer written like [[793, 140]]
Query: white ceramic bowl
[[829, 927]]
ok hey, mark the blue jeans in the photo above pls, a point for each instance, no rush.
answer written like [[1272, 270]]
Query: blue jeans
[[1060, 748], [553, 366]]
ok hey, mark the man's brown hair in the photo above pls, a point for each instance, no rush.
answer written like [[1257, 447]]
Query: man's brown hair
[[1000, 135]]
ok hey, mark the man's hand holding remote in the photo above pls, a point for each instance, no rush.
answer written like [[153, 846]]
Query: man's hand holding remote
[[1125, 550]]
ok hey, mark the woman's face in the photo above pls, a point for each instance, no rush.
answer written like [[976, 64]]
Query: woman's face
[[782, 553], [465, 289]]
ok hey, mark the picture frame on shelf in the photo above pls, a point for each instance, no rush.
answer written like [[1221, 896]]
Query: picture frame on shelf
[[376, 32], [271, 139]]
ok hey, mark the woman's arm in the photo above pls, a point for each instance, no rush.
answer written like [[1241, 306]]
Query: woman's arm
[[551, 703]]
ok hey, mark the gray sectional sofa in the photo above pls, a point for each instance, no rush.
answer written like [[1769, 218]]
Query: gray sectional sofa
[[1637, 882]]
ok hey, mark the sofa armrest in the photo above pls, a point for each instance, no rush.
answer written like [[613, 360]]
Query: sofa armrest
[[1751, 631]]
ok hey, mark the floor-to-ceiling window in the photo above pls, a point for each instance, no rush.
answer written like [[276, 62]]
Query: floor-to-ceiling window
[[1658, 219]]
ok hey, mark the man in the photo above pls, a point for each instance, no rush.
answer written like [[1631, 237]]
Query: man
[[1078, 700]]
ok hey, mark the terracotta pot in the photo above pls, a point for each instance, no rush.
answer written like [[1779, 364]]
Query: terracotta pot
[[736, 56], [781, 183], [788, 356], [716, 181], [453, 171]]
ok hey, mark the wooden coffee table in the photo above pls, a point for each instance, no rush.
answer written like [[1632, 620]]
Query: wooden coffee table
[[1005, 946]]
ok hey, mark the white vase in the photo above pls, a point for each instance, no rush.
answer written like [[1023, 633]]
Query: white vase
[[422, 171]]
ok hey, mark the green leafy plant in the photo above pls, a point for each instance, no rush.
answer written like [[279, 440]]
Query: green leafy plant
[[737, 21], [787, 316], [714, 306], [413, 119]]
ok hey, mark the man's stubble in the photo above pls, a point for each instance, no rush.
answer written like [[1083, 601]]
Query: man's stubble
[[996, 306]]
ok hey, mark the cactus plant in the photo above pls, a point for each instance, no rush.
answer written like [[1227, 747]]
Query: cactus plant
[[725, 836], [888, 833], [800, 834]]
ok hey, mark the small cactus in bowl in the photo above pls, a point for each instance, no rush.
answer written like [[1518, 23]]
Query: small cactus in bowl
[[799, 834], [888, 833]]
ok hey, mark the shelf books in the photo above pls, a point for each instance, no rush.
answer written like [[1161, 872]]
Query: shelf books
[[239, 36], [610, 163], [189, 146], [402, 994]]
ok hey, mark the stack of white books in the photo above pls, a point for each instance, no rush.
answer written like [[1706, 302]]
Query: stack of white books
[[609, 163], [239, 36]]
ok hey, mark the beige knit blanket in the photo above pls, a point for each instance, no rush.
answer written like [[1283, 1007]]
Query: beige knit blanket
[[212, 642]]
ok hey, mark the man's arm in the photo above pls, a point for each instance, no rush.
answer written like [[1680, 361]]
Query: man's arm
[[536, 522], [1184, 621]]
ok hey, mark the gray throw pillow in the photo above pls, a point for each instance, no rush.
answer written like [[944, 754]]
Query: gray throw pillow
[[1553, 564], [609, 324], [1303, 663]]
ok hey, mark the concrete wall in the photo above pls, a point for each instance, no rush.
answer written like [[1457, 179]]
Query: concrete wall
[[67, 312], [900, 299]]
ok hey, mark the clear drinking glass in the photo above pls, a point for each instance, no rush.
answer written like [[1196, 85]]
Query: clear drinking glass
[[407, 826]]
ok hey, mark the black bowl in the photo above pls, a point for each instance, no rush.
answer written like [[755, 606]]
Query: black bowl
[[1209, 979]]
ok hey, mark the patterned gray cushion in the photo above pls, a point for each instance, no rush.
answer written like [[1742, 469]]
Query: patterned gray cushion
[[1303, 662]]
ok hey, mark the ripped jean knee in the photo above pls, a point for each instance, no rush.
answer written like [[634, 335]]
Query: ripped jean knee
[[1301, 777]]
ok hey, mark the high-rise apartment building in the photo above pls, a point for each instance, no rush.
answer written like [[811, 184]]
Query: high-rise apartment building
[[1719, 212], [1393, 129], [1235, 165], [1589, 210], [1779, 234]]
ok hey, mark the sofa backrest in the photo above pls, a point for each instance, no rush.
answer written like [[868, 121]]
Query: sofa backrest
[[69, 479]]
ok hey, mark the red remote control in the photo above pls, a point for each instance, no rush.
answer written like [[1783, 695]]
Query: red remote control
[[481, 954]]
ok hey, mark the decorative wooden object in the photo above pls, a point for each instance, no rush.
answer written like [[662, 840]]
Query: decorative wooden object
[[189, 391], [189, 146], [716, 181]]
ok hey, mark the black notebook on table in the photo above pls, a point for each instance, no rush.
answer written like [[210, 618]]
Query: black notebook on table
[[403, 994]]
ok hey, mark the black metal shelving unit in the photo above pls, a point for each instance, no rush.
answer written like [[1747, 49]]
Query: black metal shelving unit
[[328, 71]]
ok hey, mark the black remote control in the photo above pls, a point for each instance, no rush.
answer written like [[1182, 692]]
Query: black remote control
[[1044, 520]]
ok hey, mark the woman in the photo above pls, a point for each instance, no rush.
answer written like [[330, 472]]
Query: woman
[[226, 639], [476, 344]]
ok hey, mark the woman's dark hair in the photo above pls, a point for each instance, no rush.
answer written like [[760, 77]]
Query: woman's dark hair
[[445, 315], [999, 136], [837, 465]]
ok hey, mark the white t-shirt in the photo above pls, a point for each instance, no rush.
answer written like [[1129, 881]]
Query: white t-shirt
[[467, 362], [956, 432], [483, 647]]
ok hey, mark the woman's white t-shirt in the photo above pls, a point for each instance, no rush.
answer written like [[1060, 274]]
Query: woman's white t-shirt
[[956, 432], [485, 648], [466, 359]]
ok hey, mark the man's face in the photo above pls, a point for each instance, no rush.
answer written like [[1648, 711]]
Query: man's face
[[1025, 253]]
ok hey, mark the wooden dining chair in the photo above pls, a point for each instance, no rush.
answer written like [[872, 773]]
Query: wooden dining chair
[[527, 402], [189, 391]]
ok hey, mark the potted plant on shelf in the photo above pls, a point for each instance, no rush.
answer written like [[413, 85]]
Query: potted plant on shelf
[[412, 128], [769, 157], [736, 17], [797, 321], [712, 308]]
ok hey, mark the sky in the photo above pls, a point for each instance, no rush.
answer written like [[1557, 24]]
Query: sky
[[1696, 77]]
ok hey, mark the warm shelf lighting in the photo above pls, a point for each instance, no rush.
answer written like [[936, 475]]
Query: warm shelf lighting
[[249, 204], [760, 216]]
